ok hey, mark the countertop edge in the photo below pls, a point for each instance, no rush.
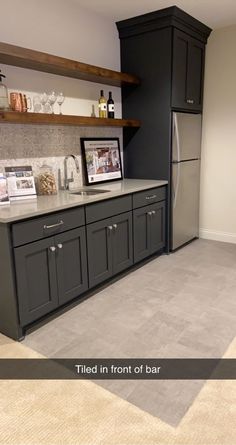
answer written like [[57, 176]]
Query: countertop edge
[[80, 201]]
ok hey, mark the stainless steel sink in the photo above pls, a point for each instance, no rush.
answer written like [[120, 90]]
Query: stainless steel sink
[[86, 192]]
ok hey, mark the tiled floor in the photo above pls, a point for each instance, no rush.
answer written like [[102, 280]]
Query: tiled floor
[[180, 305]]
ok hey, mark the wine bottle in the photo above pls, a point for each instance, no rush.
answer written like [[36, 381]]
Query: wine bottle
[[110, 107], [102, 105]]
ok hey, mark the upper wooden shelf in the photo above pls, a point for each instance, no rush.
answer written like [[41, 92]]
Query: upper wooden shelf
[[62, 119], [36, 60]]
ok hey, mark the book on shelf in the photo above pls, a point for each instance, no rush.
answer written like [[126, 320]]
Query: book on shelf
[[20, 183]]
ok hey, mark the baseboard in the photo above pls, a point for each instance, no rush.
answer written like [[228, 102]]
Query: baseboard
[[218, 236]]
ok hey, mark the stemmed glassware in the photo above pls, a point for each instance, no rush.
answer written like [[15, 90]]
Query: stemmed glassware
[[60, 100], [47, 101], [45, 104], [52, 97]]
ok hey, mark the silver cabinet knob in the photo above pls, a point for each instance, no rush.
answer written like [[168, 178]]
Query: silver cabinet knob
[[59, 246], [153, 212], [190, 101], [115, 226], [52, 248], [149, 213], [110, 228]]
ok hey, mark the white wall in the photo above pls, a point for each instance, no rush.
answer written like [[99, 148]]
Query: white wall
[[218, 176], [62, 28]]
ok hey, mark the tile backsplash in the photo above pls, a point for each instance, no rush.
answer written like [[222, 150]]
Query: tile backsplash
[[37, 144]]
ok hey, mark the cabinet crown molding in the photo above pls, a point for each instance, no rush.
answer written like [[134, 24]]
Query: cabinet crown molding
[[172, 16]]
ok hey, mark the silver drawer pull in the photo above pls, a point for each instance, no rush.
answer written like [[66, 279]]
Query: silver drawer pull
[[115, 226], [190, 101], [154, 212], [149, 213], [60, 223], [52, 248], [59, 246], [110, 228], [151, 197]]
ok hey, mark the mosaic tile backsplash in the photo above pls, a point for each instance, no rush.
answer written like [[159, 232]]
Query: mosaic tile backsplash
[[37, 144]]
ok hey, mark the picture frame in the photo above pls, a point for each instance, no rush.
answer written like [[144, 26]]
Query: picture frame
[[101, 160]]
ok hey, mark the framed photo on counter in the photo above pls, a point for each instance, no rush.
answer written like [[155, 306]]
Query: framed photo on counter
[[101, 160]]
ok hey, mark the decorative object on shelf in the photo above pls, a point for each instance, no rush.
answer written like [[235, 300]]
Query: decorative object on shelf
[[101, 159], [93, 114], [110, 107], [46, 183], [60, 101], [4, 104], [52, 97], [20, 182], [102, 105], [4, 198], [19, 102]]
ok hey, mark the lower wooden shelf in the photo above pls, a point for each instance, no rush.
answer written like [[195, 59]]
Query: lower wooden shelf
[[61, 119]]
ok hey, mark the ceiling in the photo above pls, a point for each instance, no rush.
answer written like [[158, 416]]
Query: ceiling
[[214, 13]]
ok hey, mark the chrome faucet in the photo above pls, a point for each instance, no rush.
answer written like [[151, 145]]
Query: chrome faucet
[[66, 179]]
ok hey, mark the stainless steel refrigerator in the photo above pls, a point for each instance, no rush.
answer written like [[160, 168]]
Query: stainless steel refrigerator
[[185, 177]]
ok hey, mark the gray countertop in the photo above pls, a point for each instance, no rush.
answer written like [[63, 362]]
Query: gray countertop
[[17, 211]]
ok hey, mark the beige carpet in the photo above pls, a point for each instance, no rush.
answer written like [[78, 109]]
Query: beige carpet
[[83, 413]]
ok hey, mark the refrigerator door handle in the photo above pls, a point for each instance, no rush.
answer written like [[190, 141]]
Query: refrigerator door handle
[[176, 187], [176, 135]]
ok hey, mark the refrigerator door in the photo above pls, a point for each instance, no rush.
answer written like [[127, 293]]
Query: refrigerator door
[[186, 136], [185, 202]]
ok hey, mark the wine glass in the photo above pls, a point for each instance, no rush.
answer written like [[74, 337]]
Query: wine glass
[[44, 101], [60, 100], [52, 97]]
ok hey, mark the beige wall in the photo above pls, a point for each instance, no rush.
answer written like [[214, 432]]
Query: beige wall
[[218, 176]]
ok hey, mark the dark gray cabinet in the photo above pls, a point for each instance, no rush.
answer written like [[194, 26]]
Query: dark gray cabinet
[[36, 280], [188, 72], [49, 273], [99, 251], [52, 259], [165, 49], [149, 230], [109, 247], [71, 262], [122, 242]]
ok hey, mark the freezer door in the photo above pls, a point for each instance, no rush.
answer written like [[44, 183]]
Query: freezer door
[[186, 136], [185, 202]]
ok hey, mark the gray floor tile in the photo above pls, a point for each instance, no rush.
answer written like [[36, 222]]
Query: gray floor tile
[[178, 305]]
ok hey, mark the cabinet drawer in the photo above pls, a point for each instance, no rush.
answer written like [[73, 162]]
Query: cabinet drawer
[[106, 209], [141, 199], [38, 228]]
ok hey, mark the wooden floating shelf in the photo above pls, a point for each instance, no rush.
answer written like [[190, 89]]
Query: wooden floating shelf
[[39, 61], [61, 119]]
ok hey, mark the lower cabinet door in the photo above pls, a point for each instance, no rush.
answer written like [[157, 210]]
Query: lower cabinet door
[[99, 244], [142, 233], [36, 279], [157, 225], [71, 262], [122, 242]]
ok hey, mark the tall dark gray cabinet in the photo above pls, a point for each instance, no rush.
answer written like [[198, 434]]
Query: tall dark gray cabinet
[[166, 50]]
